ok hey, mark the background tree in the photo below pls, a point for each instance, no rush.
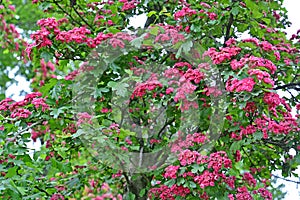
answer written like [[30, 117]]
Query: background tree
[[259, 128]]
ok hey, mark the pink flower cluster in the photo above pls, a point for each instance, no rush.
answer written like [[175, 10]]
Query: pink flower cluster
[[20, 113], [218, 160], [206, 179], [184, 89], [244, 131], [39, 102], [243, 194], [187, 157], [189, 141], [264, 45], [84, 118], [262, 76], [272, 99], [41, 39], [129, 5], [141, 88], [194, 75], [225, 53], [245, 84], [186, 11], [77, 35], [51, 24], [170, 172], [17, 108], [170, 33], [262, 62], [265, 193], [249, 179], [168, 193]]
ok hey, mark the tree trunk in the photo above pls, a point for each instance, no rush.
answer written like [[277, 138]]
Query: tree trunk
[[137, 185]]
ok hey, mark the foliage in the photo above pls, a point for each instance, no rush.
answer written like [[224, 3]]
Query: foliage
[[82, 59]]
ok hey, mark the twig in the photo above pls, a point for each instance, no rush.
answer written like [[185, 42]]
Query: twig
[[23, 130], [297, 182], [290, 85], [92, 29], [64, 11]]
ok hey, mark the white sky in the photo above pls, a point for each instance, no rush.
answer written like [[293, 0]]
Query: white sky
[[294, 16]]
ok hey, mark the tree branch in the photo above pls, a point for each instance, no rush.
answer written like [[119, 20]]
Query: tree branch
[[297, 182], [92, 29], [289, 86], [228, 27], [64, 11], [22, 131]]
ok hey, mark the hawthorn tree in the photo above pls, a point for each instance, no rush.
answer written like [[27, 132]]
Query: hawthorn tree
[[186, 108]]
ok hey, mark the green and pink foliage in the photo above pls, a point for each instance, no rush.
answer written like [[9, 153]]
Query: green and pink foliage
[[259, 127]]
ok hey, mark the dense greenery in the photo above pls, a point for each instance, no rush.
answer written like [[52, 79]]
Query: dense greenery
[[185, 108]]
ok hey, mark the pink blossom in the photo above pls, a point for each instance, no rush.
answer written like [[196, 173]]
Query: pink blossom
[[194, 75], [205, 5], [272, 99], [224, 54], [116, 43], [57, 197], [20, 113], [184, 12], [249, 179], [84, 118], [265, 193], [230, 42], [212, 16], [243, 193], [188, 157], [37, 102], [245, 84], [12, 8], [169, 90], [142, 88], [277, 55], [170, 172], [266, 46], [205, 179], [77, 35]]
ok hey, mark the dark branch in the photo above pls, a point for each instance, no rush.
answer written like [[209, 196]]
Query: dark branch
[[228, 28], [289, 86], [297, 182], [64, 11], [91, 27]]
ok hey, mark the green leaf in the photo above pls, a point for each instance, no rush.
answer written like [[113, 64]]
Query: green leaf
[[11, 172], [236, 145], [113, 30], [235, 11], [151, 13], [187, 46], [78, 133], [154, 31], [142, 192], [130, 196], [46, 88], [56, 112], [192, 184], [258, 135], [6, 51], [137, 42], [171, 182], [46, 56]]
